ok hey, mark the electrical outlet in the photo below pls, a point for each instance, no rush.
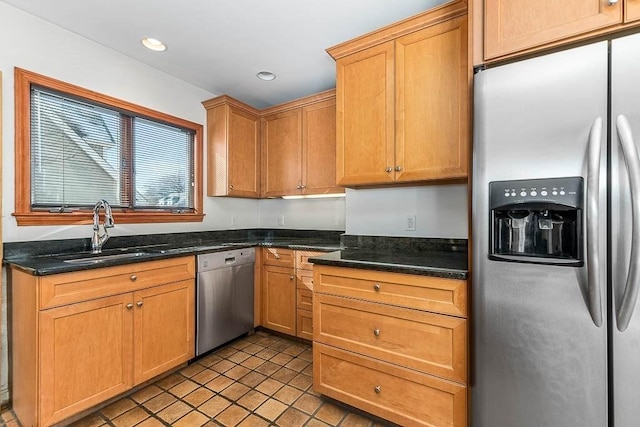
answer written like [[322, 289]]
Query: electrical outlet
[[411, 223], [280, 219]]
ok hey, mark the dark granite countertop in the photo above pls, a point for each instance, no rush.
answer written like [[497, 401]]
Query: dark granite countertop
[[438, 263]]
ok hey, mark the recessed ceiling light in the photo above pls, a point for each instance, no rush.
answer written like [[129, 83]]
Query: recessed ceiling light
[[154, 44], [266, 75]]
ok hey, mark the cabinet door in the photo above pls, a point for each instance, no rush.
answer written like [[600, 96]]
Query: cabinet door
[[319, 148], [164, 328], [631, 10], [85, 355], [279, 299], [511, 26], [432, 81], [365, 117], [233, 153], [282, 153]]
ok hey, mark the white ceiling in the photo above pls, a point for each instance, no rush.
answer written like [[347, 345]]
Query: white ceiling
[[220, 45]]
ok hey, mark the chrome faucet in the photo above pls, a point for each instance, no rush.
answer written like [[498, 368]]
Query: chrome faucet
[[97, 240]]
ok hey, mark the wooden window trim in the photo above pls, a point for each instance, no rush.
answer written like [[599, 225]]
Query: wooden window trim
[[26, 216]]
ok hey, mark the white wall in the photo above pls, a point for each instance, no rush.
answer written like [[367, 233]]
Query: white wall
[[318, 214], [440, 211]]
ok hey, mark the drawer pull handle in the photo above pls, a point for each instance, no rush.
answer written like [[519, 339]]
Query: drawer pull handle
[[129, 306], [133, 277], [376, 332], [377, 389], [277, 256], [376, 287], [139, 303]]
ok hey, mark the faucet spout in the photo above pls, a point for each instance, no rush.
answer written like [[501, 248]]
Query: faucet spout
[[97, 240]]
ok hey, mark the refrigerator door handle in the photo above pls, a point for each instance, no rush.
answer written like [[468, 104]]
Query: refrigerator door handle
[[630, 154], [593, 234]]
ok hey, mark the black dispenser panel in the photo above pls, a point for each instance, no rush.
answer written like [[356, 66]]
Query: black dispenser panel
[[537, 221]]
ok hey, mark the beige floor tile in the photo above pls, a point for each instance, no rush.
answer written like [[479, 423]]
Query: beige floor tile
[[271, 409], [297, 365], [214, 406], [279, 346], [151, 422], [7, 415], [253, 421], [232, 416], [294, 350], [252, 379], [131, 417], [226, 352], [209, 359], [235, 391], [267, 368], [198, 396], [192, 419], [253, 349], [146, 393], [240, 344], [204, 376], [284, 375], [301, 381], [252, 400], [316, 423], [239, 357], [223, 366], [306, 355], [192, 369], [159, 402], [168, 382], [355, 420], [252, 362], [174, 412], [237, 372], [292, 418], [266, 354], [281, 359], [118, 408], [330, 414], [93, 420], [183, 388], [287, 394], [308, 403], [269, 386], [308, 370], [219, 383], [12, 423]]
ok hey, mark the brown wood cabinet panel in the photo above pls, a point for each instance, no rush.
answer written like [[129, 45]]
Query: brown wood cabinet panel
[[302, 259], [86, 351], [319, 148], [233, 148], [304, 324], [164, 328], [279, 299], [304, 279], [631, 10], [431, 343], [516, 26], [365, 116], [304, 299], [398, 394], [281, 152], [280, 257], [435, 294], [68, 288], [432, 119]]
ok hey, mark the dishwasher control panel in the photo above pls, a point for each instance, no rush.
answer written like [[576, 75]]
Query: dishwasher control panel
[[229, 258]]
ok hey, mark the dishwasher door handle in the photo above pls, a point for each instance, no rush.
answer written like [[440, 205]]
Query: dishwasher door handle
[[230, 260]]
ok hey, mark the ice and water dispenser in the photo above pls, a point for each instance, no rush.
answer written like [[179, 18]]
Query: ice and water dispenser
[[537, 221]]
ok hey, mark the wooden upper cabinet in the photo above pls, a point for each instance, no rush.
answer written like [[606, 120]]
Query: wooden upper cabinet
[[282, 153], [233, 148], [403, 100], [319, 148], [631, 10], [365, 116], [432, 103], [511, 26]]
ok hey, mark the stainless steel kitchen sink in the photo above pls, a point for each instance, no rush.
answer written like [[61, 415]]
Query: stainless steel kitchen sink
[[94, 259]]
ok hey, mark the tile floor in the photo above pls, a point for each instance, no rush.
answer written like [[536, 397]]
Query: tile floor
[[258, 380]]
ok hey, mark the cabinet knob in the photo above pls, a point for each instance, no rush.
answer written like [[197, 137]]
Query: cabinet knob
[[129, 306], [389, 169], [139, 303], [612, 2], [398, 168], [276, 256], [230, 187], [291, 277], [377, 389], [133, 277], [376, 332], [376, 287], [303, 187]]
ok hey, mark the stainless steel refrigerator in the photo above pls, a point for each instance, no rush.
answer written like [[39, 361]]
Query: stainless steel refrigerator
[[556, 239]]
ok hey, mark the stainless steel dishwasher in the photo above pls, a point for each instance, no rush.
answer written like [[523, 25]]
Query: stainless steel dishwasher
[[224, 299]]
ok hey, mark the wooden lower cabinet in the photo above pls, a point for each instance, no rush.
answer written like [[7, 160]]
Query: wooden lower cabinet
[[92, 346], [279, 299], [392, 344]]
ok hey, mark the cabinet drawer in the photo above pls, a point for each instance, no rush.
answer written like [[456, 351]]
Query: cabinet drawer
[[304, 324], [304, 299], [302, 259], [305, 279], [447, 296], [397, 394], [278, 256], [67, 288], [431, 343]]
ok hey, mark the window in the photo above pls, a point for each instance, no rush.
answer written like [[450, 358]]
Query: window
[[75, 147]]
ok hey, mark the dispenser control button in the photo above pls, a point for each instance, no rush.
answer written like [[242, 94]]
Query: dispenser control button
[[523, 193], [506, 194], [562, 193], [543, 193], [534, 193], [513, 194]]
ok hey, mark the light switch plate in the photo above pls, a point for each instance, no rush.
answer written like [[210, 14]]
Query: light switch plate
[[410, 223]]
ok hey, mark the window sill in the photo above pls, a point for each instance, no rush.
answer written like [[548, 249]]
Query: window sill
[[78, 218]]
